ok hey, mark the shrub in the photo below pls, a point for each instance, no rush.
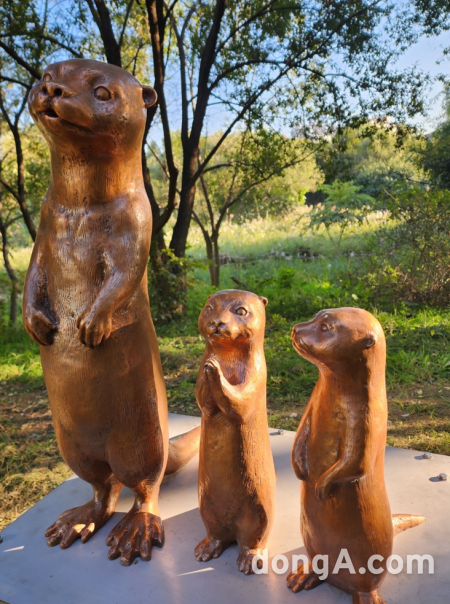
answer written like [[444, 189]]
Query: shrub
[[409, 258], [343, 207]]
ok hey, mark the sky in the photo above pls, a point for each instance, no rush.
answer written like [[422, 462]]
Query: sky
[[427, 54]]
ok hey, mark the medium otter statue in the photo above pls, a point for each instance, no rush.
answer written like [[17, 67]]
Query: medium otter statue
[[236, 480], [338, 453], [86, 304]]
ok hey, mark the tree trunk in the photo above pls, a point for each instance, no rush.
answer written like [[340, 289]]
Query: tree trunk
[[181, 228], [151, 196], [215, 280], [10, 271], [21, 196], [13, 303], [8, 266], [209, 255]]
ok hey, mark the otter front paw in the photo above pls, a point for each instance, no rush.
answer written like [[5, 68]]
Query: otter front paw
[[323, 488], [94, 327], [39, 326], [212, 370]]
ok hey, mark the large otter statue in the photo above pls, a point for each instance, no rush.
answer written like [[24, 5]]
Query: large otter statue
[[86, 304], [338, 453], [236, 472]]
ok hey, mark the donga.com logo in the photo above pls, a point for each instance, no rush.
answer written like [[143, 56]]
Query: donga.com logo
[[320, 564]]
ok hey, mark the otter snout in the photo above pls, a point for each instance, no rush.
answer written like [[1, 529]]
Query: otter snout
[[43, 95], [297, 332], [217, 327], [53, 89]]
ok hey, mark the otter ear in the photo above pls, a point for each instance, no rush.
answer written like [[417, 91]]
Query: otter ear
[[265, 301], [371, 340], [149, 95]]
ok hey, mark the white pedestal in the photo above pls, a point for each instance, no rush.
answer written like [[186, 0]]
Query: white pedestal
[[32, 573]]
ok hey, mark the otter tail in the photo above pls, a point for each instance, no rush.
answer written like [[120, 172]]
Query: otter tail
[[181, 450], [403, 522]]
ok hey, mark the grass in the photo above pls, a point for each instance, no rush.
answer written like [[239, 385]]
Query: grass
[[266, 254]]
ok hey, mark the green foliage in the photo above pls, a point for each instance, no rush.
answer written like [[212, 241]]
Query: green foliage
[[166, 287], [343, 207], [435, 156], [409, 257], [375, 156]]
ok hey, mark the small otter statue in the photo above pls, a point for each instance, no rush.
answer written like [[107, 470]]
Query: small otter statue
[[86, 304], [236, 480], [338, 453]]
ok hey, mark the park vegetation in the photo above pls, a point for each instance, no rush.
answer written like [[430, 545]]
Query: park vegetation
[[281, 158]]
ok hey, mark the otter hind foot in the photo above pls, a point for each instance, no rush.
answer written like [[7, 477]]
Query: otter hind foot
[[210, 548], [134, 536], [372, 597], [245, 560], [302, 579], [80, 522]]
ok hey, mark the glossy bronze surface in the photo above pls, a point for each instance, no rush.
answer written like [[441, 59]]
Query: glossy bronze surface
[[86, 304], [339, 449], [236, 471]]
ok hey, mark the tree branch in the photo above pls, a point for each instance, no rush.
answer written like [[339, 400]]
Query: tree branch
[[183, 83], [13, 54], [9, 188], [102, 19], [13, 81], [156, 35], [125, 21]]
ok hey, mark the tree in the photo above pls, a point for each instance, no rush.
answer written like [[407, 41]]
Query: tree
[[261, 59], [7, 219], [276, 63], [374, 156], [254, 170], [257, 60], [435, 155], [12, 110]]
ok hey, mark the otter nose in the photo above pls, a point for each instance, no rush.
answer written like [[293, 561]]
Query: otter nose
[[216, 322], [53, 89], [296, 329]]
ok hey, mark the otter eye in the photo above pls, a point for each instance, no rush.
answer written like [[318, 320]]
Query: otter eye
[[241, 311], [102, 94], [208, 309], [47, 77], [324, 327]]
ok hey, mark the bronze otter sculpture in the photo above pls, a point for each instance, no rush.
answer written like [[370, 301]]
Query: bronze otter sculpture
[[236, 480], [86, 304], [338, 452]]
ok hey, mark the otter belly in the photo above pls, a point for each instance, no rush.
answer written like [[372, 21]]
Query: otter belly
[[235, 486], [355, 517], [103, 396]]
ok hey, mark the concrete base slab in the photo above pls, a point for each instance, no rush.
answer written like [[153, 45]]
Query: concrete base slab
[[32, 573]]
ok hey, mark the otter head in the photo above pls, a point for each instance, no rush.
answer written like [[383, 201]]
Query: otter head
[[233, 317], [338, 336], [91, 105]]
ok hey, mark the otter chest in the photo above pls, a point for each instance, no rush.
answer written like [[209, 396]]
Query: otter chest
[[327, 435], [76, 244], [77, 239]]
